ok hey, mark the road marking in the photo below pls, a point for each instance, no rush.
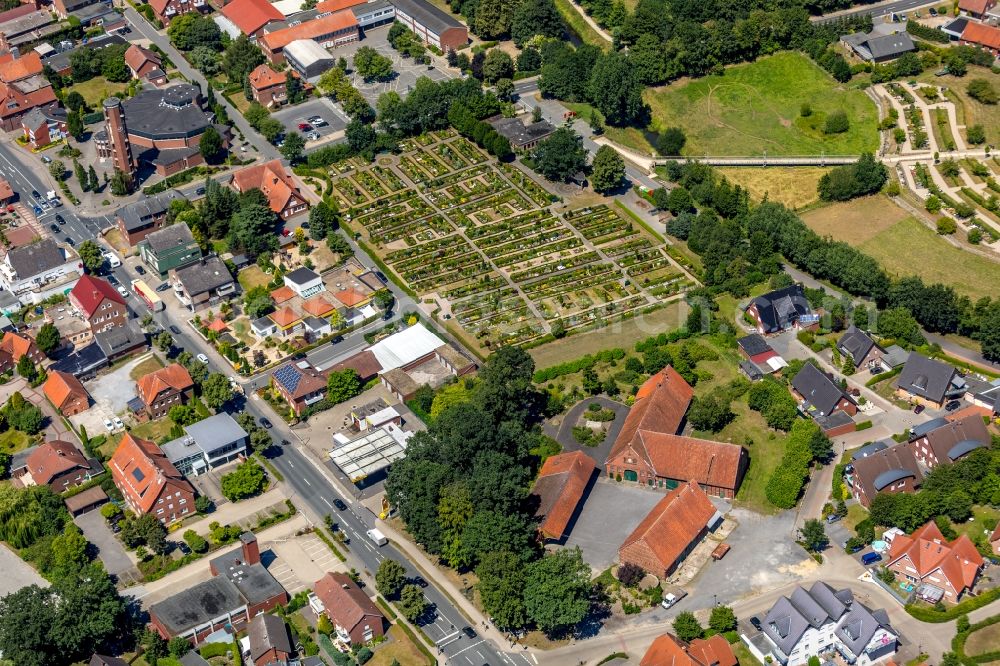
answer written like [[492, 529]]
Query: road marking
[[534, 659], [291, 464], [327, 502], [441, 641], [307, 481]]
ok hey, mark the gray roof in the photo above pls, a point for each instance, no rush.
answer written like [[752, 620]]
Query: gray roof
[[198, 604], [925, 377], [869, 449], [956, 27], [858, 627], [781, 308], [120, 338], [170, 237], [267, 632], [315, 323], [831, 421], [216, 430], [817, 389], [253, 581], [520, 134], [138, 215], [895, 356], [753, 344], [204, 276], [922, 429], [855, 343], [308, 52], [301, 276], [169, 113], [427, 15], [882, 468], [890, 46], [192, 658], [36, 258], [83, 361], [751, 370], [60, 61]]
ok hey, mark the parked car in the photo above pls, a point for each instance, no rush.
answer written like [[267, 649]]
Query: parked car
[[419, 581], [118, 423], [46, 159], [202, 358], [755, 622], [933, 11], [60, 219], [469, 631], [123, 291], [54, 228], [69, 241], [339, 504], [305, 127], [316, 121], [852, 547], [953, 405], [164, 287], [174, 329], [833, 517], [200, 191], [313, 136], [266, 423], [38, 210], [140, 270], [918, 409], [870, 558], [109, 425], [381, 276]]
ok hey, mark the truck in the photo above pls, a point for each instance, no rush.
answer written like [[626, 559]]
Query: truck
[[377, 537], [53, 198], [149, 296]]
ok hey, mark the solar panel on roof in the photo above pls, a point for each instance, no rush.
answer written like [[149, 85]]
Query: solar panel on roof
[[137, 473], [288, 377]]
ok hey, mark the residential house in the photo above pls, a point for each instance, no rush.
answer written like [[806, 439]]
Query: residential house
[[315, 328], [560, 487], [270, 644], [670, 531], [121, 340], [162, 389], [649, 451], [240, 589], [374, 414], [886, 42], [760, 354], [138, 220], [66, 393], [37, 271], [211, 442], [861, 348], [889, 470], [149, 483], [44, 125], [981, 34], [20, 33], [949, 441], [284, 196], [145, 65], [305, 282], [329, 31], [56, 464], [23, 88], [167, 10], [926, 381], [202, 284], [169, 248], [6, 192], [781, 310], [668, 650], [63, 8], [13, 346], [939, 568], [977, 9], [263, 327], [268, 86], [432, 25], [99, 303], [522, 137], [355, 617], [299, 384], [822, 620], [82, 363], [819, 395], [250, 16], [995, 540], [288, 322]]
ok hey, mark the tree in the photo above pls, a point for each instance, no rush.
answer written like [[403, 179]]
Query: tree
[[252, 228], [557, 590], [535, 17], [75, 101], [390, 578], [498, 65], [560, 156], [711, 412], [210, 146], [372, 65], [342, 385], [722, 619], [74, 124], [975, 134], [81, 176], [836, 123], [814, 535], [178, 646], [293, 88], [686, 627], [144, 530], [982, 91], [324, 218], [91, 256], [94, 184], [120, 183], [57, 169], [412, 603], [608, 170], [192, 30], [501, 588], [21, 414], [164, 341], [630, 574], [293, 147], [671, 141], [48, 338], [216, 390], [529, 60], [616, 91], [384, 299], [205, 60], [247, 480], [26, 368], [182, 415], [240, 58], [493, 18], [195, 541], [989, 332]]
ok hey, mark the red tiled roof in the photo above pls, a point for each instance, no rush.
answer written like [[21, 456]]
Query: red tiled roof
[[173, 376], [136, 56], [53, 458], [264, 76], [90, 292], [350, 297], [60, 386], [673, 524], [980, 33], [30, 64], [21, 236], [251, 15], [271, 179], [337, 5], [159, 6], [974, 6], [17, 345], [282, 294], [326, 25], [560, 486], [713, 651], [345, 603], [668, 650], [15, 102], [217, 325], [927, 550], [140, 469], [318, 306], [285, 317]]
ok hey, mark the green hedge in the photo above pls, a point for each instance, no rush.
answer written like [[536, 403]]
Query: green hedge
[[329, 544], [580, 364], [215, 650], [864, 425], [883, 376], [925, 614]]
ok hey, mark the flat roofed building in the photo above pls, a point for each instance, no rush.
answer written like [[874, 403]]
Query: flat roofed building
[[308, 58], [208, 443], [432, 25], [371, 453]]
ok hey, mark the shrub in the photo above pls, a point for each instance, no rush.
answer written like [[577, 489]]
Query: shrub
[[946, 226], [630, 574], [836, 123]]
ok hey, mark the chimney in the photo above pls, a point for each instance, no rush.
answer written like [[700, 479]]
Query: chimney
[[251, 551]]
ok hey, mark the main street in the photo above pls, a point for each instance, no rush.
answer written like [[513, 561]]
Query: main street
[[877, 10]]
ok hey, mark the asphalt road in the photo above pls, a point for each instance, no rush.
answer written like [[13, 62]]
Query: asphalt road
[[881, 9]]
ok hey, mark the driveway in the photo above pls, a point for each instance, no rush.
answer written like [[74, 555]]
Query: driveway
[[16, 573], [112, 391], [55, 428], [562, 431], [610, 512], [111, 551]]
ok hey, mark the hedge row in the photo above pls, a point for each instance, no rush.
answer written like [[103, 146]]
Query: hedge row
[[925, 614], [580, 364]]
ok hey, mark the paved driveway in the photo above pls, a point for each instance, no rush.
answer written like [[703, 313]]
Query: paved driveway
[[563, 431], [114, 556], [16, 573]]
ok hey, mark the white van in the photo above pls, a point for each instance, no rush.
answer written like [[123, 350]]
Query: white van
[[377, 537], [112, 258], [669, 599]]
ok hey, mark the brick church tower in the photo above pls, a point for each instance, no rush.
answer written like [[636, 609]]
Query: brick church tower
[[121, 147]]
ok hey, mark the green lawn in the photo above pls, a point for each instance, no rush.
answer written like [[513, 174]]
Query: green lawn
[[13, 441], [984, 520], [154, 430], [970, 111], [151, 364], [755, 108], [96, 90], [579, 26], [251, 277]]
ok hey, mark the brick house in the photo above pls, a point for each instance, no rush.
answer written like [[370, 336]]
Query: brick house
[[138, 220], [149, 482], [284, 196], [268, 86], [145, 65], [269, 641], [818, 394], [432, 25], [927, 381], [250, 16], [300, 387], [355, 618], [891, 470], [649, 451], [859, 346], [44, 125], [950, 441], [13, 346], [164, 388], [781, 310], [668, 650], [560, 487], [167, 10], [670, 531], [100, 303], [56, 464], [926, 557], [328, 31], [66, 393]]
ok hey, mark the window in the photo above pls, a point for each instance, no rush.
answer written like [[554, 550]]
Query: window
[[183, 501], [159, 511]]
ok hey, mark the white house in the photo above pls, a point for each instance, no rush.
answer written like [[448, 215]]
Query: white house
[[823, 621], [304, 282], [37, 271]]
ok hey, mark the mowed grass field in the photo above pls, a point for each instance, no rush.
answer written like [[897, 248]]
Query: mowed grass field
[[969, 111], [985, 640], [794, 187], [856, 221], [755, 108]]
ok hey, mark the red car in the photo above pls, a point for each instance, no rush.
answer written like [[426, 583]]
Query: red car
[[305, 127]]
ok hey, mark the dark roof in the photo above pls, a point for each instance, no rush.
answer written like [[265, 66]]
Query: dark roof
[[957, 26], [267, 632], [206, 275], [253, 581], [922, 429], [886, 467], [856, 344], [198, 604], [60, 61], [427, 15], [869, 449], [120, 339], [168, 113], [925, 377], [301, 275], [36, 258], [751, 370], [753, 344], [138, 215], [781, 308], [170, 237], [520, 134], [820, 393], [890, 46], [101, 660], [836, 420], [192, 658], [83, 361]]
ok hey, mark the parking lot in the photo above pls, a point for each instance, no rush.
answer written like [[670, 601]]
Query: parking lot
[[301, 561], [293, 116], [16, 573], [407, 71], [109, 549]]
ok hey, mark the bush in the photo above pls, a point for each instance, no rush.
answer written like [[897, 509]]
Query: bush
[[630, 574], [836, 123], [946, 226]]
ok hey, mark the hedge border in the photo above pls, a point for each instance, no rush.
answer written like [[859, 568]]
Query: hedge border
[[329, 544], [974, 603], [387, 608]]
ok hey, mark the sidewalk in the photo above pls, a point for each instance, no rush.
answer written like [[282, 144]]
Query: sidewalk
[[233, 512]]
